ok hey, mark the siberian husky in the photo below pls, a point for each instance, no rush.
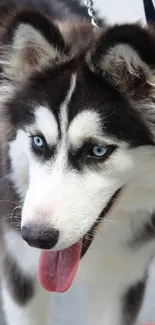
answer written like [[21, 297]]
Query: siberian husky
[[77, 148]]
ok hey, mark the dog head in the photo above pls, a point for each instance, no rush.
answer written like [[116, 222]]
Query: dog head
[[80, 105]]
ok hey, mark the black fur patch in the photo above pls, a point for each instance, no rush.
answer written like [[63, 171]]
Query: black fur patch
[[132, 302], [21, 287], [118, 117], [48, 87], [145, 234]]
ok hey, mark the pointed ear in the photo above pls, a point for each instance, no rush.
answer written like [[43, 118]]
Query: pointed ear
[[125, 69], [31, 41], [125, 55]]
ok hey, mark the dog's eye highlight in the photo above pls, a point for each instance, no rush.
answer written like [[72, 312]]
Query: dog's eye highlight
[[38, 144], [98, 151], [38, 141]]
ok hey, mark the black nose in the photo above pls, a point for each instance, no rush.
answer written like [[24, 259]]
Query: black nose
[[39, 237]]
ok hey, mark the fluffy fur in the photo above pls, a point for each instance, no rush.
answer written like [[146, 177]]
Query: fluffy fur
[[78, 87]]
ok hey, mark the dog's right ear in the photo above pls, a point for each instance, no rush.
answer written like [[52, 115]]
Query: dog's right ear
[[30, 41]]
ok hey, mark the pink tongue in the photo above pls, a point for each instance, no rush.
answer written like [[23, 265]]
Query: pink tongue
[[57, 270]]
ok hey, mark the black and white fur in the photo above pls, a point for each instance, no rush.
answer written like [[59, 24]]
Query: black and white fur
[[78, 87]]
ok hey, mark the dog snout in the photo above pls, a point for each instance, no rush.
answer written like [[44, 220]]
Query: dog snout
[[39, 237]]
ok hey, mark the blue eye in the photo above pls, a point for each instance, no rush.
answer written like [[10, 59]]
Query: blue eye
[[38, 142], [99, 151]]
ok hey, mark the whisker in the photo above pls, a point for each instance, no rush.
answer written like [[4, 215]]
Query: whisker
[[15, 202]]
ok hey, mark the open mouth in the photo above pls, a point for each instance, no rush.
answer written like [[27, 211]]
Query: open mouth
[[57, 269]]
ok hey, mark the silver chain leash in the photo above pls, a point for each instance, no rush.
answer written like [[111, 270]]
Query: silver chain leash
[[89, 4]]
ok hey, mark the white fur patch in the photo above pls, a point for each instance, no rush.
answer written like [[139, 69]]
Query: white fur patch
[[62, 155], [63, 108], [83, 126], [18, 153], [45, 123], [27, 257]]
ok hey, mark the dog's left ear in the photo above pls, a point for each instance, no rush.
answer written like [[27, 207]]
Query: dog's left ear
[[125, 55]]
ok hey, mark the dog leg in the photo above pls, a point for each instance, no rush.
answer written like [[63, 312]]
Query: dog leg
[[24, 301], [34, 311]]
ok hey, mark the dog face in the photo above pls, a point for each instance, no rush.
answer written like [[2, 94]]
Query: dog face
[[79, 115]]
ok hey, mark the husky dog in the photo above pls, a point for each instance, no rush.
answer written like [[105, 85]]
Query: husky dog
[[77, 148]]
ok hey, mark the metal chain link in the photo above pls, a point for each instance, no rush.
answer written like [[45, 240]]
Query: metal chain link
[[89, 4]]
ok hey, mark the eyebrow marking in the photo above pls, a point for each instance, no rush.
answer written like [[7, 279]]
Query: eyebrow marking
[[62, 152], [84, 126], [46, 123], [64, 106]]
